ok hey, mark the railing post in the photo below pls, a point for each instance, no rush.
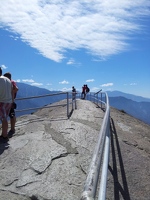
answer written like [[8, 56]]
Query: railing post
[[75, 102], [67, 105], [101, 100], [72, 103], [74, 106]]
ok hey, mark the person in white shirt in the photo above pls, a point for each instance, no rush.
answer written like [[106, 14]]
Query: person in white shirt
[[6, 100], [12, 114]]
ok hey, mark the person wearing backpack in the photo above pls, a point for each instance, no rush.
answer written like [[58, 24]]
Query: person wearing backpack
[[87, 89], [83, 92]]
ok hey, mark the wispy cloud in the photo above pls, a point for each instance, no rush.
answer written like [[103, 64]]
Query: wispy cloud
[[102, 28], [3, 67], [28, 80], [90, 80], [94, 89], [48, 84], [133, 83], [107, 85], [37, 84], [31, 82], [65, 89], [71, 62], [14, 37], [64, 82]]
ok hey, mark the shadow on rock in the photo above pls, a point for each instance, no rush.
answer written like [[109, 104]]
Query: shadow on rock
[[115, 149], [3, 146]]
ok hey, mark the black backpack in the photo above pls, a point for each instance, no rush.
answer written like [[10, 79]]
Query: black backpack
[[87, 89]]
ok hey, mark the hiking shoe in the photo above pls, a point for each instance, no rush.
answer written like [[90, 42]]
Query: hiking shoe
[[10, 133], [4, 139]]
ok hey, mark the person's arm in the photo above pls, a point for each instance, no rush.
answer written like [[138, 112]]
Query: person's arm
[[12, 93], [15, 89]]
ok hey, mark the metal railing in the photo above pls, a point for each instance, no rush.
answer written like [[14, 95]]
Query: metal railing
[[100, 156], [69, 96], [102, 147]]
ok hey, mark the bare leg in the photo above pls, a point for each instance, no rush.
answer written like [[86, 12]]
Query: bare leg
[[4, 127]]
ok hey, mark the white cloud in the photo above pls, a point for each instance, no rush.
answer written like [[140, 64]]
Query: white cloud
[[37, 84], [65, 89], [107, 84], [102, 28], [90, 80], [14, 37], [71, 62], [32, 82], [64, 82], [133, 83], [28, 80], [48, 84], [94, 89], [3, 67]]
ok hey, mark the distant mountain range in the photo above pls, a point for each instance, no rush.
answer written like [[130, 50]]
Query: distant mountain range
[[26, 91], [139, 110], [138, 107], [128, 96]]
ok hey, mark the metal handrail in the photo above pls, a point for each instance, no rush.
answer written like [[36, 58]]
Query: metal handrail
[[68, 94], [101, 149]]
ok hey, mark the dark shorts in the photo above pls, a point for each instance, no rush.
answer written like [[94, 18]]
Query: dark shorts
[[12, 113], [12, 110]]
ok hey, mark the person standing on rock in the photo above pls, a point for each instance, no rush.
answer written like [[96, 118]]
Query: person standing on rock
[[13, 107], [73, 93], [83, 91], [6, 99], [87, 89]]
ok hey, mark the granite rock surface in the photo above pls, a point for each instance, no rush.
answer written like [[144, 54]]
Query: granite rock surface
[[49, 155]]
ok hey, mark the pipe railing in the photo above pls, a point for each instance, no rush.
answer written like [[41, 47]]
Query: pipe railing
[[70, 97], [101, 151], [102, 147]]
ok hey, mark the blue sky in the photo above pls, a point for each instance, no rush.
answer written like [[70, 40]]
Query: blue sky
[[104, 44]]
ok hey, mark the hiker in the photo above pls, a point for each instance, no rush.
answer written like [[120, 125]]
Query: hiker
[[6, 99], [83, 92], [87, 89], [73, 93], [13, 107]]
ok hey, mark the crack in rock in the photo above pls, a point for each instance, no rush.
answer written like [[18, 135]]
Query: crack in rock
[[42, 163], [59, 138], [132, 144], [27, 177]]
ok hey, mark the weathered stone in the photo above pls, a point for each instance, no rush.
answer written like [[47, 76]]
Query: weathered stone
[[49, 155]]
